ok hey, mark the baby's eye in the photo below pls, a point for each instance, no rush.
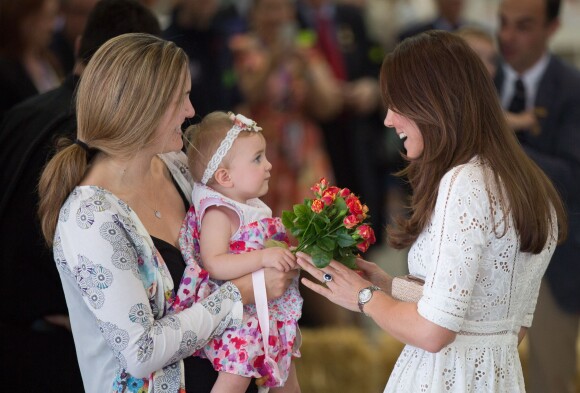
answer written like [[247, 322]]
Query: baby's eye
[[258, 158]]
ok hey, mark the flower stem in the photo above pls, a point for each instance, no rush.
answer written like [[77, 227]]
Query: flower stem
[[307, 243]]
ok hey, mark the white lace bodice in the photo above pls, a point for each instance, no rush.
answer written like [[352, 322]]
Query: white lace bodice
[[477, 283]]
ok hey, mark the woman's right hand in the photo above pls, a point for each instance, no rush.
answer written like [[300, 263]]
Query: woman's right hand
[[276, 284], [375, 274]]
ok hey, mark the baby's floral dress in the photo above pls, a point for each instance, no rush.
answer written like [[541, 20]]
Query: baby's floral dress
[[241, 351]]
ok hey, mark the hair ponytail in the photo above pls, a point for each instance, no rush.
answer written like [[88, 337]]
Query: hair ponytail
[[116, 120], [59, 177]]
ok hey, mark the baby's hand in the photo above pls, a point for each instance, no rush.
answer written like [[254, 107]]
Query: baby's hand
[[278, 258]]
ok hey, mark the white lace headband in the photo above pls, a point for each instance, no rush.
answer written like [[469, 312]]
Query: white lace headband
[[241, 123]]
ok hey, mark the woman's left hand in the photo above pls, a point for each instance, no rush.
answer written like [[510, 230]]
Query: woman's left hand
[[343, 286]]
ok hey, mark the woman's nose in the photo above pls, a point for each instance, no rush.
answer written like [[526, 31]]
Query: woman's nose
[[189, 110], [389, 119]]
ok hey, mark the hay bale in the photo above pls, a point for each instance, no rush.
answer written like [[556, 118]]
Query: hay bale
[[388, 351], [349, 360], [344, 360], [335, 360]]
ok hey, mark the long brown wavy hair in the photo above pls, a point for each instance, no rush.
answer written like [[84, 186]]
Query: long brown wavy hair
[[437, 81]]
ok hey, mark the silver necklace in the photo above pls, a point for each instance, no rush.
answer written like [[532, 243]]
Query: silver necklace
[[156, 212]]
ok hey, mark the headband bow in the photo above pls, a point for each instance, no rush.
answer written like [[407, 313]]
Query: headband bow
[[241, 123]]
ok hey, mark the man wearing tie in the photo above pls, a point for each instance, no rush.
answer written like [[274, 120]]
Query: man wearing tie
[[531, 79]]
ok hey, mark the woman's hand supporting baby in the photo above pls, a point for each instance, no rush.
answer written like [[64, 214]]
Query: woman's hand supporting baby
[[277, 282]]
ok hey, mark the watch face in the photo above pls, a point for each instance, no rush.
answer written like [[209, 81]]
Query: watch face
[[364, 295]]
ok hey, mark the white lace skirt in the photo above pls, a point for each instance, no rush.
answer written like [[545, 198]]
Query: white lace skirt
[[472, 363]]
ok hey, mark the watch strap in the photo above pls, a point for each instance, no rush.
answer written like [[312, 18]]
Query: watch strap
[[372, 288]]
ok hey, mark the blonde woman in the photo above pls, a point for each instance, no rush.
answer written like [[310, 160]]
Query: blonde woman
[[111, 206]]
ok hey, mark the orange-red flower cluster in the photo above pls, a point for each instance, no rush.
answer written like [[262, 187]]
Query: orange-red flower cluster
[[331, 225], [317, 206], [357, 212], [368, 236]]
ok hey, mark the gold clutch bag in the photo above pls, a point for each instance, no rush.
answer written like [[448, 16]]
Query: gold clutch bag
[[407, 288]]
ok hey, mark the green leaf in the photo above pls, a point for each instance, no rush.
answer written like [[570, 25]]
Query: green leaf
[[303, 220], [341, 253], [344, 240], [297, 232], [288, 219], [319, 224], [319, 220], [326, 243], [320, 257], [349, 261], [341, 204], [302, 211]]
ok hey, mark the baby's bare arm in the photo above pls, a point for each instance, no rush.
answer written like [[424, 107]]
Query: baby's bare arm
[[215, 234]]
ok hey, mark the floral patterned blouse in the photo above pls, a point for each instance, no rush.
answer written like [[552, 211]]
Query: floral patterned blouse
[[120, 295]]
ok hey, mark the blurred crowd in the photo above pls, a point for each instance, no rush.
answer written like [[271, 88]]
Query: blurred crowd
[[305, 70]]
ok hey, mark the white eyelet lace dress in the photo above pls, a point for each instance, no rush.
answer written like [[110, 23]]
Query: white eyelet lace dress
[[477, 283]]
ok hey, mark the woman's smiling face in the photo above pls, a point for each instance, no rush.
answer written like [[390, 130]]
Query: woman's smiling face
[[408, 131], [169, 135]]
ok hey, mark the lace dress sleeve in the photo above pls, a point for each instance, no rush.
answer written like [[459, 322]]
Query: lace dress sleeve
[[458, 229]]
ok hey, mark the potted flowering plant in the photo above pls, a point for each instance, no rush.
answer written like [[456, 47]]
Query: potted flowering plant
[[330, 226]]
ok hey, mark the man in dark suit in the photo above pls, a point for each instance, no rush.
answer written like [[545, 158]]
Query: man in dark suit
[[448, 18], [530, 78], [38, 353]]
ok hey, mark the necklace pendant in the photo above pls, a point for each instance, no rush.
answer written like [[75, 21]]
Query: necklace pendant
[[158, 214]]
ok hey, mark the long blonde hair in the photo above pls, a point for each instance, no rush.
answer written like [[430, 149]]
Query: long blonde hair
[[124, 91]]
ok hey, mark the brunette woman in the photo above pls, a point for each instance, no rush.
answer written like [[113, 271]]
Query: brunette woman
[[483, 223]]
